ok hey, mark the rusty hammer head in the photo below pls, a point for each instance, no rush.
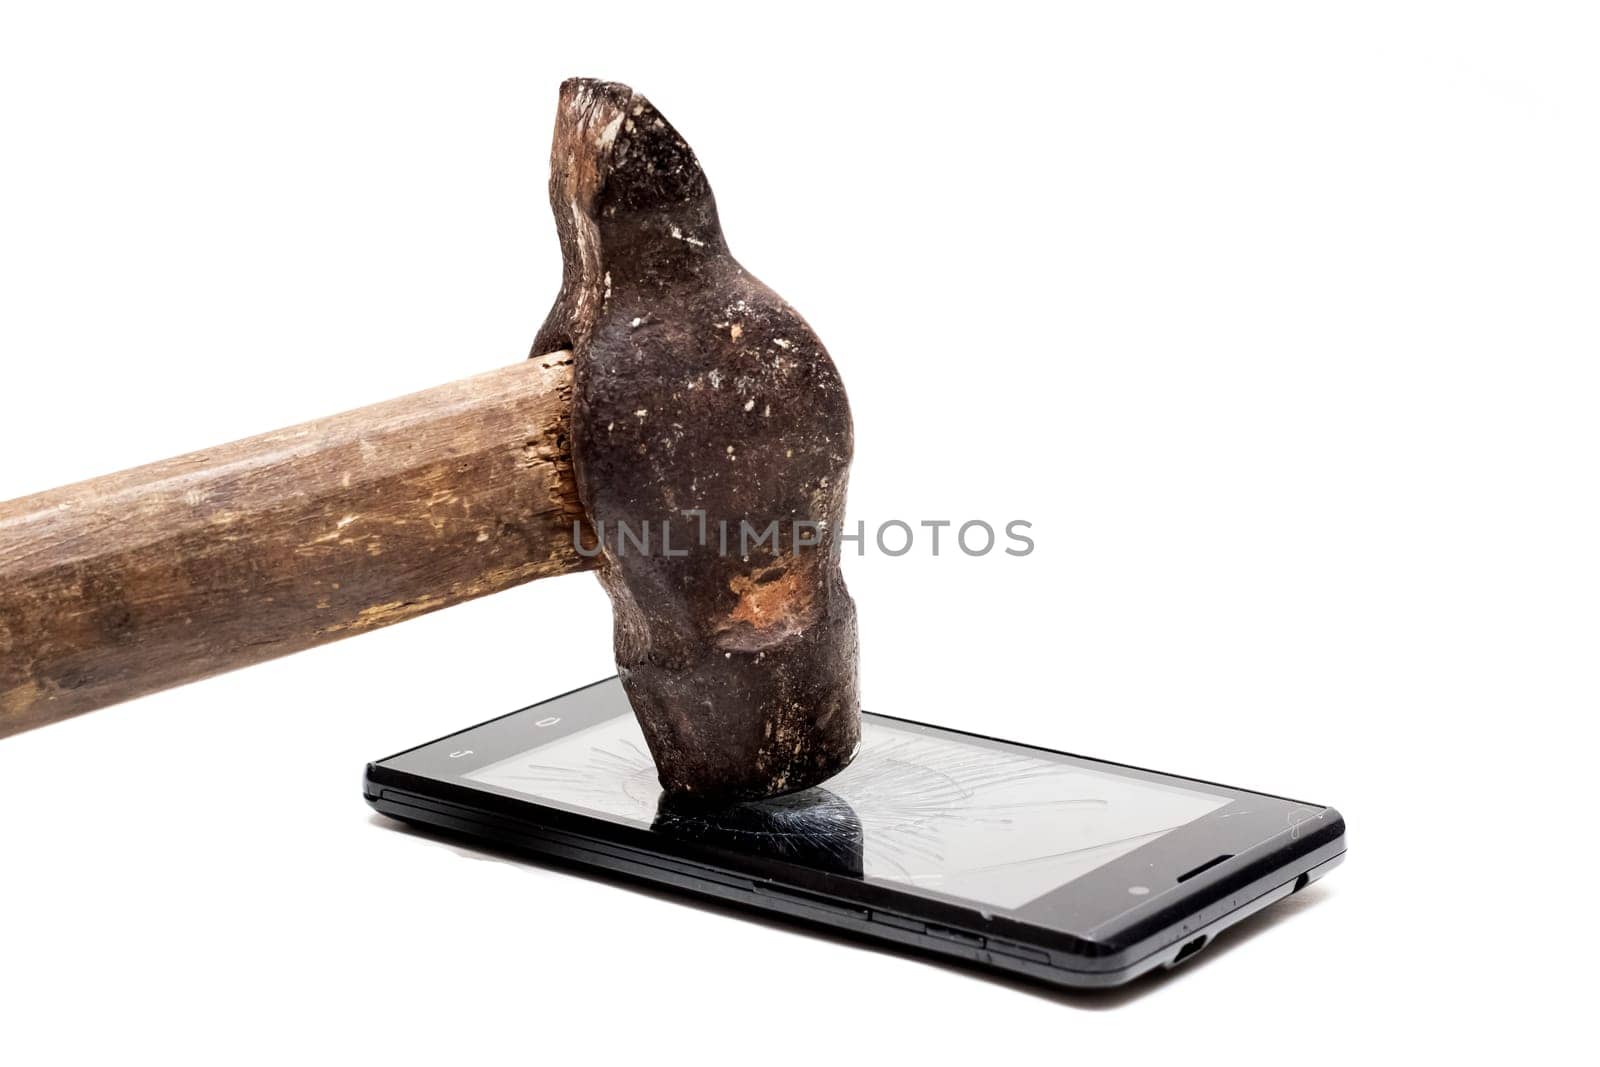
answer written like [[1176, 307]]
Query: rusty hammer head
[[697, 423], [711, 442]]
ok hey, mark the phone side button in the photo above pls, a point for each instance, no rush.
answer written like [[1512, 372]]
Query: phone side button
[[958, 936], [899, 922], [1021, 952], [807, 903]]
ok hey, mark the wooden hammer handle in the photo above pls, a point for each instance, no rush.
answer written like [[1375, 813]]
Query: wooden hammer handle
[[171, 572]]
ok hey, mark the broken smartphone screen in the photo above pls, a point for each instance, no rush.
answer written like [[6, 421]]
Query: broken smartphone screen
[[939, 812]]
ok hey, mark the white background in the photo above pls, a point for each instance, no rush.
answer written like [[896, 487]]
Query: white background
[[1278, 321]]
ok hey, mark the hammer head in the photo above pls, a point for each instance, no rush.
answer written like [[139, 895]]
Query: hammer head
[[711, 446]]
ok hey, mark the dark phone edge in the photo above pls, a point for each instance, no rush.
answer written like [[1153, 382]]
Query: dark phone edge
[[1176, 938]]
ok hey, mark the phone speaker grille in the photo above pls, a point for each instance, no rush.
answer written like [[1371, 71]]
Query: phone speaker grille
[[1206, 866]]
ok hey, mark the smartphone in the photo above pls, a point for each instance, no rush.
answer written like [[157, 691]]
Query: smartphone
[[1072, 871]]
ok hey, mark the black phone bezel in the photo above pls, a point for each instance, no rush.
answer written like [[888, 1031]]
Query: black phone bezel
[[1091, 926]]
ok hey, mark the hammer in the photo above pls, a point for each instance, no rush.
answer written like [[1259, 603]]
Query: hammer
[[679, 429]]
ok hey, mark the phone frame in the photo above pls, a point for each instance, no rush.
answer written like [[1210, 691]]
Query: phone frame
[[1089, 932]]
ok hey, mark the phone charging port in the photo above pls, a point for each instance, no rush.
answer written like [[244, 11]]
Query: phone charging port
[[1189, 950]]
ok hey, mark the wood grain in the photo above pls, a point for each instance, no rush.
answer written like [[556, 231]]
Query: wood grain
[[171, 572]]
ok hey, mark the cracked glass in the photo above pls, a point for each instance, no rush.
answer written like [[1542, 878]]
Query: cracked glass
[[937, 813]]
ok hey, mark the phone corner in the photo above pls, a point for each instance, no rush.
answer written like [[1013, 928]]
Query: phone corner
[[371, 788], [1330, 824]]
